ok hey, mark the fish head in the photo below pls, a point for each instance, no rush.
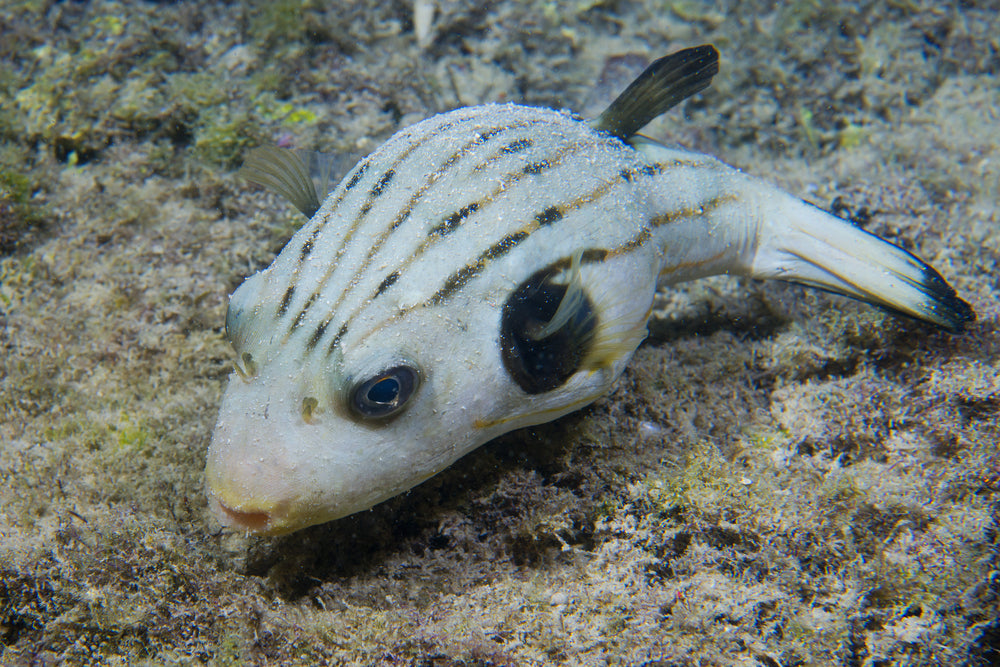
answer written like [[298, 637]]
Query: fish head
[[307, 437]]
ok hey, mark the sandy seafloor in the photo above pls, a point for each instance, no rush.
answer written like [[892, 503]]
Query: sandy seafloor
[[780, 478]]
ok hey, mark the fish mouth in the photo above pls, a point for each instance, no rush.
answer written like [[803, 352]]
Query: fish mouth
[[252, 521]]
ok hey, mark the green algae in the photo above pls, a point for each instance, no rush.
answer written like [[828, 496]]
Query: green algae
[[20, 216]]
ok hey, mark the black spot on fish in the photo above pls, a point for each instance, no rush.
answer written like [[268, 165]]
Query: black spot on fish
[[381, 184], [286, 300], [549, 215], [389, 281], [540, 364], [454, 220], [358, 175]]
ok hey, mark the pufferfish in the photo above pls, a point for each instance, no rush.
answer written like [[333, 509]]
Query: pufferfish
[[491, 268]]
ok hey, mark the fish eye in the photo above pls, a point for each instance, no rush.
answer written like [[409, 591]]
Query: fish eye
[[386, 393]]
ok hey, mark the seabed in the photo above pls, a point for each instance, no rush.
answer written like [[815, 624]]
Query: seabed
[[780, 478]]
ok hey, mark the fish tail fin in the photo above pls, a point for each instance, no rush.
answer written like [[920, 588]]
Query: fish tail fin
[[803, 244]]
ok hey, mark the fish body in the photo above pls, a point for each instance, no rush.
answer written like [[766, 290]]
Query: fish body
[[491, 268]]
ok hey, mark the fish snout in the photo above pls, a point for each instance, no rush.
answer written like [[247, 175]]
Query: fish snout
[[251, 485]]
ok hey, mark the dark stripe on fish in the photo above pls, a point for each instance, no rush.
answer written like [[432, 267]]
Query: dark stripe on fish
[[645, 170], [516, 169], [536, 167], [389, 281], [635, 242], [307, 248], [432, 178], [336, 339], [309, 244], [358, 175], [504, 245], [381, 184], [461, 277], [684, 213], [594, 256], [455, 219], [346, 236], [516, 146], [548, 216], [286, 300], [317, 335], [302, 313], [513, 147]]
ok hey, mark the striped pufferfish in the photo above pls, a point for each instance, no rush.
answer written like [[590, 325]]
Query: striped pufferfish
[[491, 268]]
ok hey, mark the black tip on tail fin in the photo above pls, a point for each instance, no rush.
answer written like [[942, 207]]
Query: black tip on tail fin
[[947, 310], [283, 172], [665, 83]]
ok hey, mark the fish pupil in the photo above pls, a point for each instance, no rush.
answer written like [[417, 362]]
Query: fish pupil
[[384, 391]]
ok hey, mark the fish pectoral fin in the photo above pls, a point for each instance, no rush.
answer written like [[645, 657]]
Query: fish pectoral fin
[[663, 84], [283, 172], [573, 307]]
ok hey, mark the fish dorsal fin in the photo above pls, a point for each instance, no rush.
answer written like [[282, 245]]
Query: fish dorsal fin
[[662, 85], [283, 172]]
